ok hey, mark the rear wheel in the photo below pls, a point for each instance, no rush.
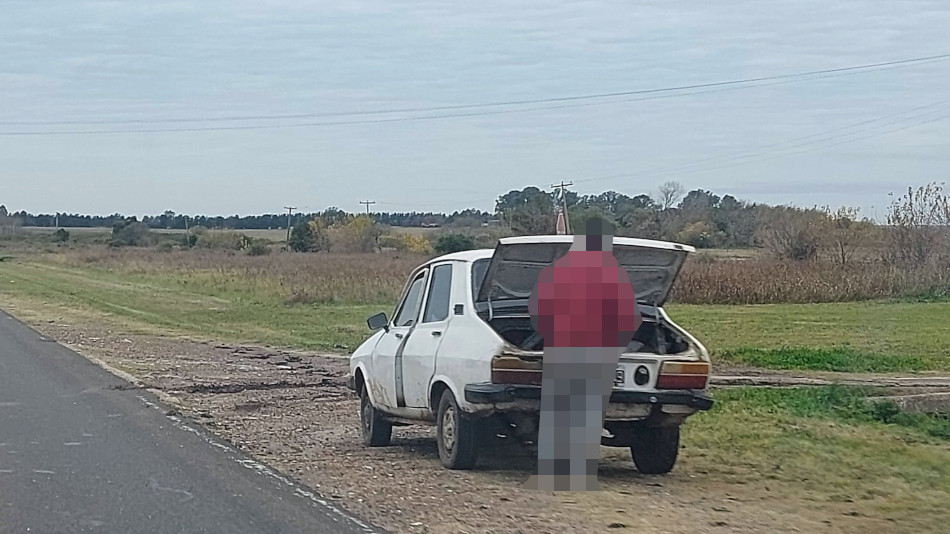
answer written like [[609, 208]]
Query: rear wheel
[[456, 436], [655, 449], [377, 431]]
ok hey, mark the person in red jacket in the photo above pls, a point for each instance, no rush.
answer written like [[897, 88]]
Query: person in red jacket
[[584, 308]]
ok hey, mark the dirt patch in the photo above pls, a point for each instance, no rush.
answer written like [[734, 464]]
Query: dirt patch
[[292, 410]]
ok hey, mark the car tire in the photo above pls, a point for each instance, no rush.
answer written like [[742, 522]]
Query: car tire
[[377, 431], [456, 436], [654, 450]]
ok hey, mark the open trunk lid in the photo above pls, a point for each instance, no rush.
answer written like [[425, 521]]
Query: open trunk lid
[[513, 270]]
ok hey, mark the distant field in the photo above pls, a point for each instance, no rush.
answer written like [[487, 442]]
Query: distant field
[[273, 234], [78, 230]]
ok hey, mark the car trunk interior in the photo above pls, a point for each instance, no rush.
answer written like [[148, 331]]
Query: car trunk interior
[[652, 337], [503, 285]]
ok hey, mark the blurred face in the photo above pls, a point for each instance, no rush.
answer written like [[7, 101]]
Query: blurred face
[[593, 235]]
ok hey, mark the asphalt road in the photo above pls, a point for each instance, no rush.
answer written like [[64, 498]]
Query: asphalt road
[[81, 452]]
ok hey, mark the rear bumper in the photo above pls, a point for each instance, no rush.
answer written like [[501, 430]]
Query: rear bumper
[[488, 393]]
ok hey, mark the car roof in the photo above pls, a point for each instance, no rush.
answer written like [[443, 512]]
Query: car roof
[[465, 255]]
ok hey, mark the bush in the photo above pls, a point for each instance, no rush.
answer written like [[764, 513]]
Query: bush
[[701, 234], [131, 234], [920, 225], [309, 236], [356, 234], [61, 236], [258, 248], [794, 234], [222, 240], [486, 241], [301, 240], [450, 243], [413, 243]]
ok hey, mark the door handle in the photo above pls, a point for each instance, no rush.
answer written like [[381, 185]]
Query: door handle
[[398, 336], [436, 333]]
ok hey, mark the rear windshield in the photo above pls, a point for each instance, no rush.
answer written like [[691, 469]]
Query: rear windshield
[[479, 268]]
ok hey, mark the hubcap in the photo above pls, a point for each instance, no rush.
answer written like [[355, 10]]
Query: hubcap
[[448, 428]]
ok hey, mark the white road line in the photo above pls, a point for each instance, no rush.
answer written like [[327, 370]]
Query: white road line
[[335, 514]]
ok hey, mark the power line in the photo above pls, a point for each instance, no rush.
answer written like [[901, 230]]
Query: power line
[[678, 171], [742, 83], [817, 138], [491, 104]]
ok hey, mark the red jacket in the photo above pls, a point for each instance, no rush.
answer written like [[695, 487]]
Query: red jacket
[[584, 299]]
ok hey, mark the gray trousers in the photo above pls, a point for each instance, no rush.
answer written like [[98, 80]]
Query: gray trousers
[[575, 390]]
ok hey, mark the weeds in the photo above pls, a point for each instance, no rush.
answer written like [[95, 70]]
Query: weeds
[[291, 279], [841, 403], [765, 281]]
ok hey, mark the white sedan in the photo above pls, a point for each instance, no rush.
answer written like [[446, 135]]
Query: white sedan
[[460, 353]]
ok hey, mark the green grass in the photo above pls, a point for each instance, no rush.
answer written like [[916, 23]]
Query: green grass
[[827, 446], [160, 304], [841, 359], [846, 404], [854, 336]]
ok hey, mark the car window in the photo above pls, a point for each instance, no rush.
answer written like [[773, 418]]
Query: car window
[[410, 305], [440, 289], [479, 268]]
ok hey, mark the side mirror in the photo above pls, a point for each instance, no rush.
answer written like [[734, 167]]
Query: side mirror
[[378, 321]]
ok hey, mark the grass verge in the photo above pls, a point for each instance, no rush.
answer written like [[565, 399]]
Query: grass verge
[[841, 359], [878, 336], [828, 446], [160, 307]]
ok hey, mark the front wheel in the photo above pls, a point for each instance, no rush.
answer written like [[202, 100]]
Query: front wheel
[[456, 435], [655, 449], [377, 431]]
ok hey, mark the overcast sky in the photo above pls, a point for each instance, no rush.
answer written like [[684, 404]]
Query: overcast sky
[[847, 139]]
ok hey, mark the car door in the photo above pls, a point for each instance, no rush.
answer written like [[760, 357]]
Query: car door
[[387, 371], [419, 355]]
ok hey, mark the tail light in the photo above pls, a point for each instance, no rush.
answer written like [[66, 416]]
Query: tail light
[[683, 375], [515, 370]]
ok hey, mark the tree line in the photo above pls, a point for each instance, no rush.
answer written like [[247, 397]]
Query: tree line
[[177, 221], [917, 229]]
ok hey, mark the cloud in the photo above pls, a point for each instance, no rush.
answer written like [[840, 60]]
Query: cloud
[[71, 60]]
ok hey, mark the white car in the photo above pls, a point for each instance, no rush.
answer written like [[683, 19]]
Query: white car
[[461, 353]]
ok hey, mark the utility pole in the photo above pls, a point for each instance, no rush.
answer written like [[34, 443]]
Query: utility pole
[[563, 187], [367, 203], [187, 241], [290, 212]]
